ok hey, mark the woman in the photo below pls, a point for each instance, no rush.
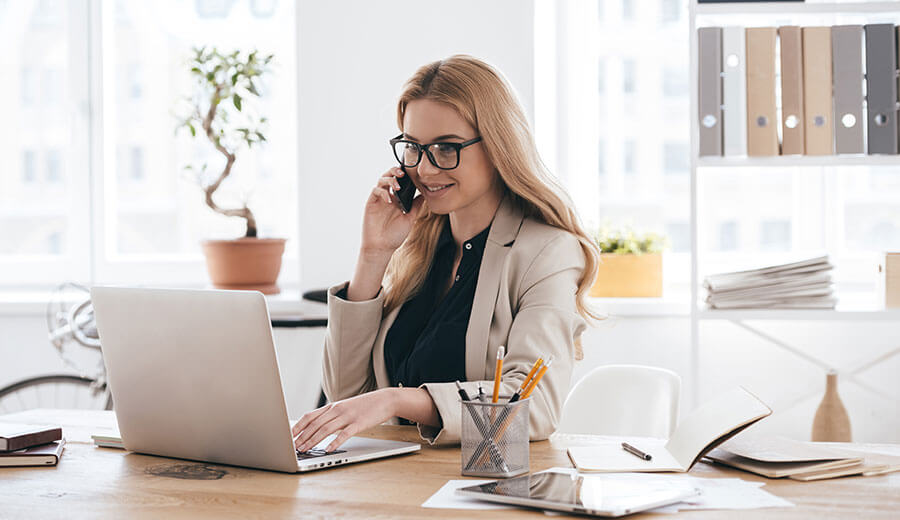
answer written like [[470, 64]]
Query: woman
[[490, 254]]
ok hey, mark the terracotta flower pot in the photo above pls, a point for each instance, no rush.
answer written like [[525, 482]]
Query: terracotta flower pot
[[628, 276], [250, 264]]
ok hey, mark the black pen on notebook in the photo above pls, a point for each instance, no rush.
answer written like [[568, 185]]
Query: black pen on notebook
[[636, 452]]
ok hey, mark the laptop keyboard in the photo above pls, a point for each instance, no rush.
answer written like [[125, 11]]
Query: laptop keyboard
[[316, 452]]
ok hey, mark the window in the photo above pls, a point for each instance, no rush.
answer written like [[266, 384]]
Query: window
[[775, 235], [628, 76], [137, 163], [675, 82], [639, 133], [28, 172], [628, 163], [676, 158], [671, 10], [728, 236], [601, 158], [601, 75], [628, 10], [54, 173], [121, 158], [679, 233]]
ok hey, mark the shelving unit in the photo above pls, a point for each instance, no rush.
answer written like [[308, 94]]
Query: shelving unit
[[736, 14]]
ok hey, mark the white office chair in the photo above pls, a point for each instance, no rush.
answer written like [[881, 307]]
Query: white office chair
[[630, 400]]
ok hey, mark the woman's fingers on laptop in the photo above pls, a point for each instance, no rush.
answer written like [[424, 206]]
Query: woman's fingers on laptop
[[342, 437], [307, 418], [350, 415], [336, 423]]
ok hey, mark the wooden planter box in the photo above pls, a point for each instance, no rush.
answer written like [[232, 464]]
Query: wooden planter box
[[628, 276]]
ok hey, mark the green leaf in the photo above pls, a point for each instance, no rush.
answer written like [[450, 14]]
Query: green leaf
[[193, 130], [236, 99]]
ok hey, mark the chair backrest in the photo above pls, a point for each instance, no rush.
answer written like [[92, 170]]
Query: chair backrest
[[623, 400]]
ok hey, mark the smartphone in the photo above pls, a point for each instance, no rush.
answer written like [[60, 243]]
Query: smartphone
[[407, 191]]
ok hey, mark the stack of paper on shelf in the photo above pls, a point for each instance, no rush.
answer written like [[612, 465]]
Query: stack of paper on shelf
[[778, 457], [805, 284]]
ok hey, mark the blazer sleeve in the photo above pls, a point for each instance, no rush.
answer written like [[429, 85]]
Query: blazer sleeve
[[349, 338], [546, 323]]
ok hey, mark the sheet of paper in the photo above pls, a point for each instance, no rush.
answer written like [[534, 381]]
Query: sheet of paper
[[446, 497]]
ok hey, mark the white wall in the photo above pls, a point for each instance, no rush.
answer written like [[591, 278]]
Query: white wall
[[354, 57]]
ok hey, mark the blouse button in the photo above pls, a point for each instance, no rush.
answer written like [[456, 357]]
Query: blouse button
[[468, 246], [457, 278]]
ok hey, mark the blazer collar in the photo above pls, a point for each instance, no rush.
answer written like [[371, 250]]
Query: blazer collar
[[504, 229], [507, 222]]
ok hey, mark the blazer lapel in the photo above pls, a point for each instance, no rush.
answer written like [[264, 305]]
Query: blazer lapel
[[381, 375], [504, 229]]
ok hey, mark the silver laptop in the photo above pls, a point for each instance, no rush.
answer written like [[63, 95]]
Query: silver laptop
[[194, 375]]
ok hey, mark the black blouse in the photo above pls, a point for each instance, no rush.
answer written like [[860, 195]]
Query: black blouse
[[427, 341]]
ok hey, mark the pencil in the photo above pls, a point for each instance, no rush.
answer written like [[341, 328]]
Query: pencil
[[518, 394], [497, 371], [537, 378]]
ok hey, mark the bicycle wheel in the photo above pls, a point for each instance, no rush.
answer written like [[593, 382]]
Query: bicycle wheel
[[55, 391]]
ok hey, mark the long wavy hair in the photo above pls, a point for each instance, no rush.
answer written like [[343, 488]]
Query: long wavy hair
[[481, 95]]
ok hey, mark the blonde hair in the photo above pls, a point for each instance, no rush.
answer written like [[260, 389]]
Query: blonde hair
[[486, 101]]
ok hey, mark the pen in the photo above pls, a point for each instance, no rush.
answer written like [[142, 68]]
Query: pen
[[636, 452], [497, 371], [537, 378], [462, 392], [480, 392]]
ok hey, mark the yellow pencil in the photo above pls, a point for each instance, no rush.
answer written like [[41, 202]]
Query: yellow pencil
[[537, 379], [534, 369], [499, 370]]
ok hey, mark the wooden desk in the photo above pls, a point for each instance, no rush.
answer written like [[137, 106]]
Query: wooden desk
[[108, 483]]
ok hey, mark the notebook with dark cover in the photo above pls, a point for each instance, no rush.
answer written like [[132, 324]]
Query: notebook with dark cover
[[44, 455], [19, 436]]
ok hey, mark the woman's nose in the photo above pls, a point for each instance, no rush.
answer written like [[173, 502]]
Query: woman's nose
[[426, 168]]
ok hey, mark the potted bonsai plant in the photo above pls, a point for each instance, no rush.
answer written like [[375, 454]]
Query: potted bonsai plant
[[217, 112], [630, 264]]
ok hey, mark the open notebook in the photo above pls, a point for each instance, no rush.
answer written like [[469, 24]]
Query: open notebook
[[702, 430]]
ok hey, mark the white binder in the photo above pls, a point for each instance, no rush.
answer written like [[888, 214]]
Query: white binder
[[734, 91]]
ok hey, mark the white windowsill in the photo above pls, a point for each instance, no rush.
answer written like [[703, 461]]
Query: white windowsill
[[24, 302]]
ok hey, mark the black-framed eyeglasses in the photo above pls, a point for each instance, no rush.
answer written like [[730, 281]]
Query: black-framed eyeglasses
[[444, 155]]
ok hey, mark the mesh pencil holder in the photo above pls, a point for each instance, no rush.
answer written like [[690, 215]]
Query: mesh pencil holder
[[494, 438]]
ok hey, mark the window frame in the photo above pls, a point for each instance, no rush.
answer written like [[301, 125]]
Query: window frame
[[89, 162]]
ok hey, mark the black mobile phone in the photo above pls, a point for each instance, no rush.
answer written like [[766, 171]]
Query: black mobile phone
[[407, 191]]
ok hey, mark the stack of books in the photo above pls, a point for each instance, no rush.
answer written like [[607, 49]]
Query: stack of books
[[30, 445], [779, 457], [805, 284]]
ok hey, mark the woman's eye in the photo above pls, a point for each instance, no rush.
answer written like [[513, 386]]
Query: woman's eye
[[444, 148]]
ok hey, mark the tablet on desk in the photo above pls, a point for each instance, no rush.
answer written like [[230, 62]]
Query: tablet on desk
[[597, 495]]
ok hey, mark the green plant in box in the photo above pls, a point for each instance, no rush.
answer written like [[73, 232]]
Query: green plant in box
[[625, 241]]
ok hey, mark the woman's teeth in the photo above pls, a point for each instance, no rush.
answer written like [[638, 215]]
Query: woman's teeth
[[438, 188]]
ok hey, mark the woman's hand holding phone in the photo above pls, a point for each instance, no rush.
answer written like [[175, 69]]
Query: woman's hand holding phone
[[385, 227]]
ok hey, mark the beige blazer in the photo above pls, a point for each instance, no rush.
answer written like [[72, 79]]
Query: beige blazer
[[524, 300]]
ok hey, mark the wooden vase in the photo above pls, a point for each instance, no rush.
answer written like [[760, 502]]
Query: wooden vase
[[831, 423]]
